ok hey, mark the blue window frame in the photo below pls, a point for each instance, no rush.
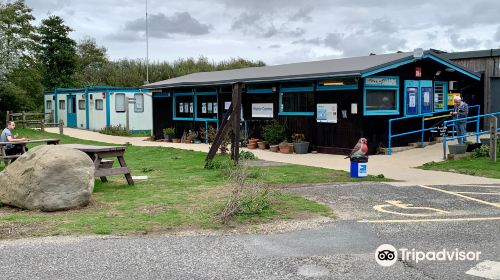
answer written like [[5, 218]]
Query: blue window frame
[[440, 96], [296, 101], [188, 106], [381, 96], [337, 84]]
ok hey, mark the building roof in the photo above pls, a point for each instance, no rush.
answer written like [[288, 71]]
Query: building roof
[[354, 66], [471, 54]]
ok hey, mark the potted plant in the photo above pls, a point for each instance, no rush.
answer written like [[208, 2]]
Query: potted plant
[[273, 134], [176, 140], [457, 149], [299, 145], [472, 146], [285, 147], [262, 145], [168, 133], [191, 136], [252, 143], [485, 141]]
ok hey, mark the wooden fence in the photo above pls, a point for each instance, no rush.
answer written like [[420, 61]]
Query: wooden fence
[[41, 120]]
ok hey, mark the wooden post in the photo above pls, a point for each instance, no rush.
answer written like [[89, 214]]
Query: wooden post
[[42, 125], [493, 138], [223, 129], [24, 119], [236, 119], [7, 118], [61, 127]]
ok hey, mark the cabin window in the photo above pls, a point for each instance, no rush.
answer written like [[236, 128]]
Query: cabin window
[[62, 105], [338, 84], [139, 103], [48, 105], [120, 102], [297, 103], [184, 106], [99, 104], [81, 104], [440, 96], [380, 100], [206, 107]]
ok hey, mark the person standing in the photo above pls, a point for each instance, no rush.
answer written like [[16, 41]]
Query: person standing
[[461, 111], [6, 136]]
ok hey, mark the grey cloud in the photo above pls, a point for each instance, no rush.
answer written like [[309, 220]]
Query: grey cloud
[[497, 34], [261, 27], [275, 46], [162, 26], [383, 25], [303, 14], [460, 43]]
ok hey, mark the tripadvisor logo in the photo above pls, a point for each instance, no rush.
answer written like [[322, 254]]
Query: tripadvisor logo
[[387, 255]]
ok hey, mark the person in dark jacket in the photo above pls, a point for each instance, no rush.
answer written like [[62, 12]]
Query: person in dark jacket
[[461, 111]]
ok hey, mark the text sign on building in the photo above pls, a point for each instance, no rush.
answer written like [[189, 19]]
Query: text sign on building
[[381, 81], [262, 110], [326, 113]]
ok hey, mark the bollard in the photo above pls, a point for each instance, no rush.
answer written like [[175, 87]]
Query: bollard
[[61, 127], [42, 126]]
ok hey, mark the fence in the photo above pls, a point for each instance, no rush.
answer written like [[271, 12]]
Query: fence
[[46, 120], [424, 117]]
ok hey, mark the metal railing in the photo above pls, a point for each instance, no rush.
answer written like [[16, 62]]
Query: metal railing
[[478, 132], [423, 129]]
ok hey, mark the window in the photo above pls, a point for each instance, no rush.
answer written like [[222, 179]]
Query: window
[[440, 95], [99, 104], [62, 105], [81, 104], [380, 100], [139, 103], [206, 106], [48, 105], [338, 84], [184, 106], [120, 102], [297, 102]]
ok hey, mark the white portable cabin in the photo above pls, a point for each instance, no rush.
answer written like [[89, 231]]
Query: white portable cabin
[[94, 108]]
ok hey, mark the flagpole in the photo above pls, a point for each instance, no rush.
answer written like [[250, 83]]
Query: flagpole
[[147, 45]]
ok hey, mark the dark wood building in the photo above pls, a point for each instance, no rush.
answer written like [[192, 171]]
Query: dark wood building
[[332, 102]]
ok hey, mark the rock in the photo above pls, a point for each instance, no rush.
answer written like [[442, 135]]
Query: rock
[[48, 178]]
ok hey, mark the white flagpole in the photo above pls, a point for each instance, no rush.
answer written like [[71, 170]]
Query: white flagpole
[[147, 45]]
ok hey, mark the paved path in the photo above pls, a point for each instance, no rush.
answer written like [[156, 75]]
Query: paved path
[[399, 166], [344, 249]]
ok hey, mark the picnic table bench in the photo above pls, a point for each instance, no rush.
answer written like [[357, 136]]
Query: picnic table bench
[[104, 167], [8, 158]]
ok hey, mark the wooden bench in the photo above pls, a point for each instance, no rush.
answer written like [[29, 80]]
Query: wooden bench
[[8, 159]]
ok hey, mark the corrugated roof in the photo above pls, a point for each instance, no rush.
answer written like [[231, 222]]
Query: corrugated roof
[[354, 66], [471, 54]]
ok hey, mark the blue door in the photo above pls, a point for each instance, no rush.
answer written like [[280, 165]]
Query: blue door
[[71, 112], [426, 97], [411, 97]]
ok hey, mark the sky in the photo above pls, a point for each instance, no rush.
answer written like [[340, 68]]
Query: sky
[[277, 31]]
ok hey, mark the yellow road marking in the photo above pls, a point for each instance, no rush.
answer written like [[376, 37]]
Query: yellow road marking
[[398, 204], [431, 220], [462, 196], [491, 193]]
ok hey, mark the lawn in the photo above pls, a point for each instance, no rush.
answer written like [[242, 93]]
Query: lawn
[[179, 194], [483, 167]]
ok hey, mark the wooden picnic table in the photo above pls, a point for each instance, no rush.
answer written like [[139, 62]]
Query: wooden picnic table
[[7, 159], [103, 167]]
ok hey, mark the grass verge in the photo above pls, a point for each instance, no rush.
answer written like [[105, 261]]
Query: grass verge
[[482, 167]]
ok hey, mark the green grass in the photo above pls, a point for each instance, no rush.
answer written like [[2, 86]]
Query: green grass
[[179, 194], [482, 167]]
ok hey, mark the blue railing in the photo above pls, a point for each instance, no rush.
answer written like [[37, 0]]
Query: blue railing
[[423, 129], [478, 132]]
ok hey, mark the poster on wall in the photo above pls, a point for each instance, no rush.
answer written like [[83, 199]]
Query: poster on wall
[[326, 113], [210, 108], [181, 107], [262, 110], [412, 98], [215, 108], [191, 107], [203, 108]]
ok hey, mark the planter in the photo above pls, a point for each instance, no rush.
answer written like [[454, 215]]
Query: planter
[[274, 148], [168, 137], [301, 147], [472, 147], [286, 148], [485, 141], [252, 146], [197, 141], [458, 149], [262, 145], [176, 140]]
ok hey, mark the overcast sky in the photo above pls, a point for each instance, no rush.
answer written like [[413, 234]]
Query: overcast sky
[[278, 31]]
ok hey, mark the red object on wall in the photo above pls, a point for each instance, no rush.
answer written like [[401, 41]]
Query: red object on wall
[[418, 72], [103, 95]]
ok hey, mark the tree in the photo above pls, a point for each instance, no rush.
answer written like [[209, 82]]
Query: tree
[[56, 53], [92, 61]]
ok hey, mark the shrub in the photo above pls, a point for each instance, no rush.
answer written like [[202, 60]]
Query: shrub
[[273, 133], [169, 131], [247, 155], [483, 151], [298, 137], [116, 130]]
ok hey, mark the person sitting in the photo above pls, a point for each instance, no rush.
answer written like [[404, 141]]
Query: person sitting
[[6, 136]]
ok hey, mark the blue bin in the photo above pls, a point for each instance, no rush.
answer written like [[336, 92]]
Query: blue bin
[[359, 169]]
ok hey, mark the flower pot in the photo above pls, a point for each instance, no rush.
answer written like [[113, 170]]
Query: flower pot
[[252, 146], [176, 140], [485, 141], [262, 145], [473, 146], [197, 141], [301, 147], [168, 137], [458, 149], [286, 148], [274, 148]]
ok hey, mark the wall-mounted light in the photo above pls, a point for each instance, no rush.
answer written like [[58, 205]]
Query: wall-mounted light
[[438, 72], [450, 70]]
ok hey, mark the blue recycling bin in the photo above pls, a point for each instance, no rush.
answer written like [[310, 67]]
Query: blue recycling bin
[[359, 168]]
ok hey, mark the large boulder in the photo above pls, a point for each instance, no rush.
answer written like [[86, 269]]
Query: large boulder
[[48, 178]]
